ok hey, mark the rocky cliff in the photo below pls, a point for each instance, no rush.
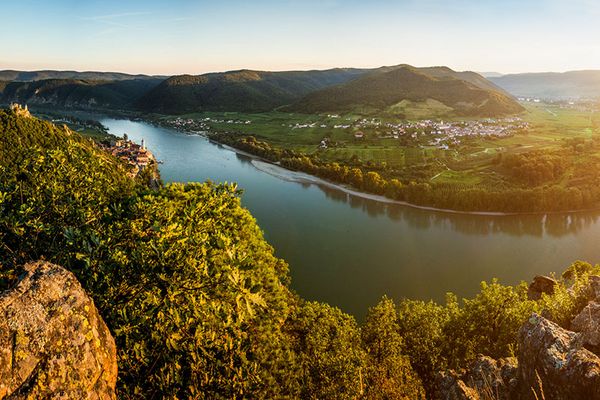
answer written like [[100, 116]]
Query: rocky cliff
[[53, 342], [553, 362]]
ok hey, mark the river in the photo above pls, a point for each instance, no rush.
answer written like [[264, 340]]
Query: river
[[349, 251]]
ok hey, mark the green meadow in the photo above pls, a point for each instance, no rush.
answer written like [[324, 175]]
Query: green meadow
[[471, 162]]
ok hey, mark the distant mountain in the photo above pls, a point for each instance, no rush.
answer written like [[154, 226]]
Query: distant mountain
[[412, 92], [552, 85], [244, 90], [491, 74], [26, 76], [401, 90], [78, 93]]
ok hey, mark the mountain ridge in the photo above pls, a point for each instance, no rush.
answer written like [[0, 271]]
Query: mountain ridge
[[459, 93], [438, 90], [239, 90]]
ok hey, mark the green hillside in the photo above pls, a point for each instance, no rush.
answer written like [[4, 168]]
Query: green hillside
[[403, 91], [77, 93], [245, 90], [385, 90]]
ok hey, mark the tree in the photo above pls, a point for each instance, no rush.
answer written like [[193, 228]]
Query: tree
[[389, 373], [355, 177], [330, 356]]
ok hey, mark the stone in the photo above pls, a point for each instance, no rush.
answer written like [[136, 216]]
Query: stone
[[486, 378], [493, 377], [450, 386], [594, 287], [53, 342], [540, 285], [553, 361], [587, 322]]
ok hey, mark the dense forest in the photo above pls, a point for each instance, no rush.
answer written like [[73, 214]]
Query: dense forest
[[199, 305]]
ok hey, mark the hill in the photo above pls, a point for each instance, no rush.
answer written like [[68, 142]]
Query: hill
[[26, 76], [244, 90], [77, 93], [552, 85], [401, 89]]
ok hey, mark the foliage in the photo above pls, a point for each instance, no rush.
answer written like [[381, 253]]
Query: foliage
[[389, 374], [331, 361], [192, 293]]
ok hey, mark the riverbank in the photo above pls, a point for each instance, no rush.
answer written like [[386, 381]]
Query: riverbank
[[301, 177], [276, 170]]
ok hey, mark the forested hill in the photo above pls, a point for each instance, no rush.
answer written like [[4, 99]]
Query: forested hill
[[434, 91], [398, 89], [78, 93], [244, 90]]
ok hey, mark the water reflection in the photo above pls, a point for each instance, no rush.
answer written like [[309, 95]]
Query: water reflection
[[536, 225]]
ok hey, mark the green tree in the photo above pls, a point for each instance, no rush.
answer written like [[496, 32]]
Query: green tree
[[389, 374], [330, 356]]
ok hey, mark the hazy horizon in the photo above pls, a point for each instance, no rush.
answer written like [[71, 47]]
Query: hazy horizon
[[194, 37], [2, 68]]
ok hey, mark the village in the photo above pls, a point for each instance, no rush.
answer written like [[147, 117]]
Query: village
[[137, 156], [427, 132], [198, 126], [439, 134]]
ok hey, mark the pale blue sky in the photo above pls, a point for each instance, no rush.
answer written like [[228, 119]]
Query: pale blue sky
[[172, 37]]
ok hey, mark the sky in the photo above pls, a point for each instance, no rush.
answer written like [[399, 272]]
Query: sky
[[194, 37]]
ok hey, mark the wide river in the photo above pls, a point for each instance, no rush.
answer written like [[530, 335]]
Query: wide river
[[349, 251]]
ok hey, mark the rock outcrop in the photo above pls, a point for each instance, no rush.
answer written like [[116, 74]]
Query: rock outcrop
[[53, 342], [486, 378], [588, 324], [553, 362]]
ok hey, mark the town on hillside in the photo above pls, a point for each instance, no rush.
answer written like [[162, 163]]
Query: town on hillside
[[137, 156]]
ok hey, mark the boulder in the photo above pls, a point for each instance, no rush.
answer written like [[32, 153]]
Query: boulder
[[540, 285], [53, 342], [593, 287], [553, 364], [587, 322]]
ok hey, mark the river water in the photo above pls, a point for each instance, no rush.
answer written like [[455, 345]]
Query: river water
[[349, 251]]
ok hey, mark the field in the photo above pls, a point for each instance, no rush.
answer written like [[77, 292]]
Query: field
[[471, 161]]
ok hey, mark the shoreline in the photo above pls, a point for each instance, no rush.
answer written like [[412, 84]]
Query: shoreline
[[289, 175], [277, 171]]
